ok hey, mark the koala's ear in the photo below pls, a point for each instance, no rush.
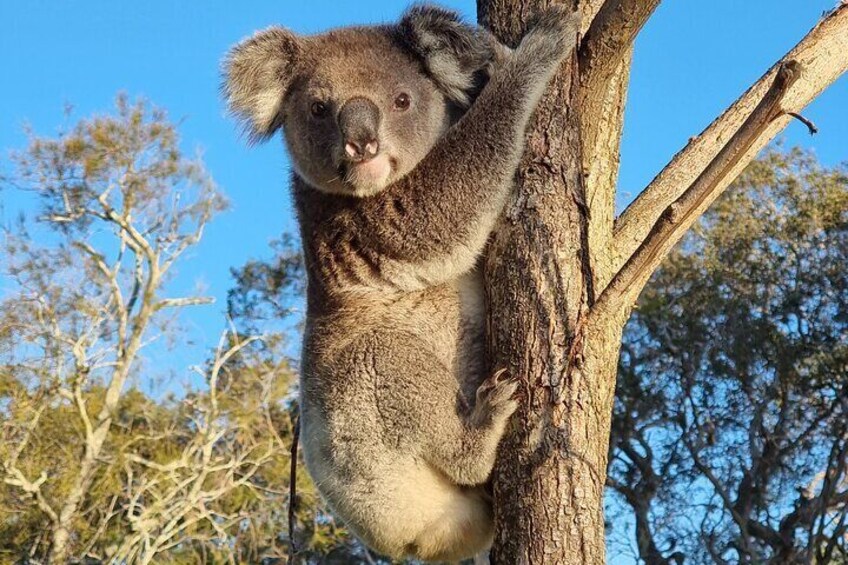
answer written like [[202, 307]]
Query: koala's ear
[[453, 51], [257, 74]]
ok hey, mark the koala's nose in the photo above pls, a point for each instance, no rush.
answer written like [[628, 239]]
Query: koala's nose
[[359, 123], [356, 150]]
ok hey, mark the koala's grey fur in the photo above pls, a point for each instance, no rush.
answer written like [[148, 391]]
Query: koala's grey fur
[[399, 425]]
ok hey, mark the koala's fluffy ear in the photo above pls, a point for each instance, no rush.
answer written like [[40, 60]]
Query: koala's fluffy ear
[[453, 51], [257, 73]]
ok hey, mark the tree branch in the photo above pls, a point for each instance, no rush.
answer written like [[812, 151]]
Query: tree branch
[[823, 54], [15, 477], [683, 212], [604, 59], [590, 9], [601, 125], [607, 42], [184, 301]]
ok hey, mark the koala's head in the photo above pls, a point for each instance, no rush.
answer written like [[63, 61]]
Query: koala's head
[[359, 106]]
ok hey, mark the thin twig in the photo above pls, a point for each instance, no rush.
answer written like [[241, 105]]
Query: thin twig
[[810, 125], [293, 487]]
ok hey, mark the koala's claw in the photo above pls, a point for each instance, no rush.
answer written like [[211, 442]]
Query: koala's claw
[[496, 397]]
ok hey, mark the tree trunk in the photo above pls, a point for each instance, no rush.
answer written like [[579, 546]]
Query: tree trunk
[[96, 436], [561, 277], [549, 480]]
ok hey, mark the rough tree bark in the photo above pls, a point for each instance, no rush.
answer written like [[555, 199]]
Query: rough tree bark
[[562, 273]]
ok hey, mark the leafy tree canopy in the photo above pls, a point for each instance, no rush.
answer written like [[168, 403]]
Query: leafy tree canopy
[[730, 431]]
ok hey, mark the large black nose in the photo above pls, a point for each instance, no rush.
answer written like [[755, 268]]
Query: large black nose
[[359, 122]]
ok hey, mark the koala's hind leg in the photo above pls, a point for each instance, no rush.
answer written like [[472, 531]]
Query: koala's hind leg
[[469, 457], [418, 399]]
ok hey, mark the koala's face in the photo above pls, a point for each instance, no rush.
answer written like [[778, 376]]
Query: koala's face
[[359, 107], [364, 116]]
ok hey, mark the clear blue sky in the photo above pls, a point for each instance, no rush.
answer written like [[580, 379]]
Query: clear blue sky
[[692, 60]]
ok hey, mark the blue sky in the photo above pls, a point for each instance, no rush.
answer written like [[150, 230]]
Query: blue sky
[[692, 60]]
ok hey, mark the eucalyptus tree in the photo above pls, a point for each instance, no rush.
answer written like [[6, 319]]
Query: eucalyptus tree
[[730, 428], [563, 272]]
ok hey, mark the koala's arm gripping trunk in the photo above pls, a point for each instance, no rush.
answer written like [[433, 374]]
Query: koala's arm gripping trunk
[[443, 211]]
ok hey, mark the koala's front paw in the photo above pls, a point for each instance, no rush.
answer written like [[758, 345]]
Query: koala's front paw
[[552, 35], [496, 398]]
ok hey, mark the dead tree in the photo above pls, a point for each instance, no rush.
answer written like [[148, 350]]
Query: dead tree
[[563, 271]]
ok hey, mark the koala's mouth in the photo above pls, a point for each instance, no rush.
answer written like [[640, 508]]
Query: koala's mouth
[[373, 174]]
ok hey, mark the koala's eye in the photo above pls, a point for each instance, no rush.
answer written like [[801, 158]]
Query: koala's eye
[[402, 101], [318, 109]]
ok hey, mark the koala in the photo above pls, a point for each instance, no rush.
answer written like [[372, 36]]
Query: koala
[[404, 140]]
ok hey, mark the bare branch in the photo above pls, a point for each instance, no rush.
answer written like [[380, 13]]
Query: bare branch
[[681, 214], [186, 301], [823, 54], [138, 279], [601, 126], [15, 477], [82, 409], [604, 59], [607, 42], [133, 237]]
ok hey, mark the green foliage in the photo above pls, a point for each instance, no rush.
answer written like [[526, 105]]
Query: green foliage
[[729, 433]]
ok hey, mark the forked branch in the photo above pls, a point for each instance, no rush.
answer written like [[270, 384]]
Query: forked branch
[[683, 212], [823, 54]]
